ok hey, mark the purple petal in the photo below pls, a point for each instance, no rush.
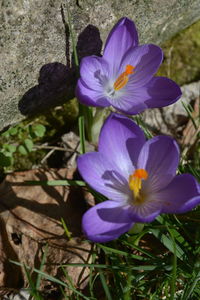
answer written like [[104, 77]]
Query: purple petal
[[132, 102], [121, 38], [146, 212], [181, 195], [120, 141], [159, 157], [89, 96], [106, 221], [103, 176], [94, 72], [159, 92], [146, 59]]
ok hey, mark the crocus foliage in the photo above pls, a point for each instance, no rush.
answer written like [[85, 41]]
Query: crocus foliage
[[124, 76], [137, 176]]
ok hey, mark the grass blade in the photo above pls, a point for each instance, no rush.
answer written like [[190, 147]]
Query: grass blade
[[105, 286], [68, 233], [56, 183], [174, 267], [81, 133], [39, 277]]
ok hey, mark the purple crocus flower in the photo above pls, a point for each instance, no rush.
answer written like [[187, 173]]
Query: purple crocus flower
[[137, 176], [124, 76]]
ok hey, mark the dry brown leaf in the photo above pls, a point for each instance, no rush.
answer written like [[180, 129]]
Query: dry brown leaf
[[190, 132], [30, 218]]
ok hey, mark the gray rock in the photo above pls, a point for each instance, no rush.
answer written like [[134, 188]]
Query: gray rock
[[35, 71]]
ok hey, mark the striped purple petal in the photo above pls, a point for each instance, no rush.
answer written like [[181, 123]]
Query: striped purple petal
[[181, 195], [159, 157], [103, 176], [106, 221], [146, 60], [120, 141], [122, 37]]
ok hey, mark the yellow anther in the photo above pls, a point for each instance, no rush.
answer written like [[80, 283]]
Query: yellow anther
[[123, 78], [135, 181]]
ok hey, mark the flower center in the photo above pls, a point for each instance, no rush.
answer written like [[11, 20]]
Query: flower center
[[123, 78], [135, 185]]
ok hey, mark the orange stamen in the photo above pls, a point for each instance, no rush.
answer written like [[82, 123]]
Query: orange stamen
[[135, 181], [123, 78], [129, 69], [140, 173]]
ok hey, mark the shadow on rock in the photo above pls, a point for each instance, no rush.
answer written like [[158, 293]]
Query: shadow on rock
[[57, 81], [56, 85], [89, 42]]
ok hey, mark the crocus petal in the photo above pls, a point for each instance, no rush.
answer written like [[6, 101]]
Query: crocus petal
[[106, 221], [103, 176], [159, 157], [159, 92], [89, 96], [121, 38], [94, 72], [131, 102], [146, 59], [146, 212], [120, 141], [181, 195]]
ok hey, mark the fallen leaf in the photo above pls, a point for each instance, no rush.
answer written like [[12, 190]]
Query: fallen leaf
[[30, 219], [190, 133]]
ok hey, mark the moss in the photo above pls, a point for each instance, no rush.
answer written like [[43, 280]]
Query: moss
[[182, 56]]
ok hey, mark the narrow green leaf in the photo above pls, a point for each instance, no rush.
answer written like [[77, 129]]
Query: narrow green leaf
[[105, 286], [81, 133], [120, 252], [68, 233], [174, 268], [56, 183], [167, 242], [189, 110], [52, 279], [33, 289], [39, 277]]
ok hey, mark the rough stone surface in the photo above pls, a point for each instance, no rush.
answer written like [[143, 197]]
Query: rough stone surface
[[34, 44]]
